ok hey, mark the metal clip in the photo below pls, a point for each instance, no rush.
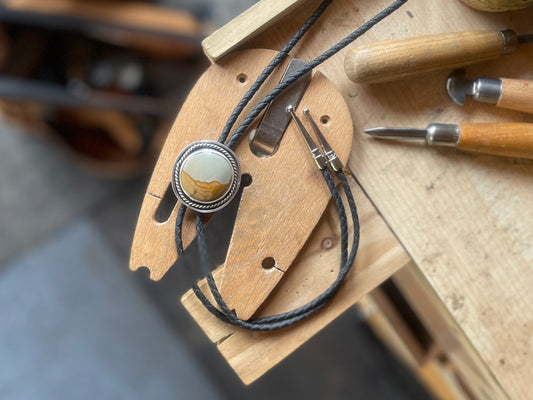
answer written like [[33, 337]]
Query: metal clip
[[265, 140], [319, 158], [331, 156]]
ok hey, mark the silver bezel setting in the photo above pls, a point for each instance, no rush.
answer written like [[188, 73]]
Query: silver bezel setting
[[215, 205]]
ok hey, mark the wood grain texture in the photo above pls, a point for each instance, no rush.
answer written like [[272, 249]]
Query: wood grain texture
[[251, 354], [516, 95], [390, 60], [466, 220], [250, 23], [500, 139]]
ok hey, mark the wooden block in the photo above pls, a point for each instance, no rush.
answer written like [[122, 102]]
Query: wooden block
[[251, 354], [247, 25]]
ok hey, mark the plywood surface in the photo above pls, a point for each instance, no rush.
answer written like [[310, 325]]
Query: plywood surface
[[466, 220]]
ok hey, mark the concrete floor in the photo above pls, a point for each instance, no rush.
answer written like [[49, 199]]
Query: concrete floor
[[77, 324]]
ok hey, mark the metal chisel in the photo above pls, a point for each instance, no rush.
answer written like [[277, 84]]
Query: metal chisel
[[501, 139]]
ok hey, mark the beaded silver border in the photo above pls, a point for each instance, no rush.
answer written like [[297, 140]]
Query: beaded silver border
[[206, 207]]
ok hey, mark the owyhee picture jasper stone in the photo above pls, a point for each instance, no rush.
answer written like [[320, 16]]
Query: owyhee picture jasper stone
[[206, 176]]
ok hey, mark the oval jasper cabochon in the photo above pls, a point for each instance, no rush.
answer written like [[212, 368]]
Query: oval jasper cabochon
[[206, 175]]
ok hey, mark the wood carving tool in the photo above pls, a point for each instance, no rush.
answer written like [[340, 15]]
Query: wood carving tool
[[513, 94], [501, 139], [401, 58]]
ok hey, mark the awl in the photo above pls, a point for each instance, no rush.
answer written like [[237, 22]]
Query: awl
[[401, 58], [501, 139], [513, 94]]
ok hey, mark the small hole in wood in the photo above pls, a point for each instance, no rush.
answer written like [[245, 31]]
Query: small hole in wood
[[242, 78], [325, 119], [246, 180], [268, 263], [328, 243], [166, 205]]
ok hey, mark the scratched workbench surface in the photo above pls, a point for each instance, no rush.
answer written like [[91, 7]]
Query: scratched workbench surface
[[465, 219]]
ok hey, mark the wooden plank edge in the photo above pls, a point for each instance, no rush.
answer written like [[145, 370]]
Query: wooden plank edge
[[246, 26]]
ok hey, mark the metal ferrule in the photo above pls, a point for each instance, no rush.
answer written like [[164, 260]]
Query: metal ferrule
[[510, 41], [320, 160], [487, 90], [442, 135]]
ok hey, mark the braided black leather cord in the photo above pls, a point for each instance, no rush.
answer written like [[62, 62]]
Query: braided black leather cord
[[348, 253], [270, 68], [288, 318]]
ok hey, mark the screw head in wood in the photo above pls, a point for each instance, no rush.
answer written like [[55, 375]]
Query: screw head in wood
[[206, 176]]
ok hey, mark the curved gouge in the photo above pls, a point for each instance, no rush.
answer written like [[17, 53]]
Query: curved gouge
[[395, 59], [500, 139], [513, 94]]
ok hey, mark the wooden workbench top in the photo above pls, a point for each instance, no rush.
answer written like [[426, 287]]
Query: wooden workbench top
[[466, 220]]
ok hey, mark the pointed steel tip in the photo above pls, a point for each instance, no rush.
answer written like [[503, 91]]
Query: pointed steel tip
[[383, 132], [375, 131]]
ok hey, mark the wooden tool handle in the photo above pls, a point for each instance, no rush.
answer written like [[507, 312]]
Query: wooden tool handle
[[516, 95], [501, 139], [394, 59]]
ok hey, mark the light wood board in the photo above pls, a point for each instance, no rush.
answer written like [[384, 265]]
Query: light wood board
[[466, 220]]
